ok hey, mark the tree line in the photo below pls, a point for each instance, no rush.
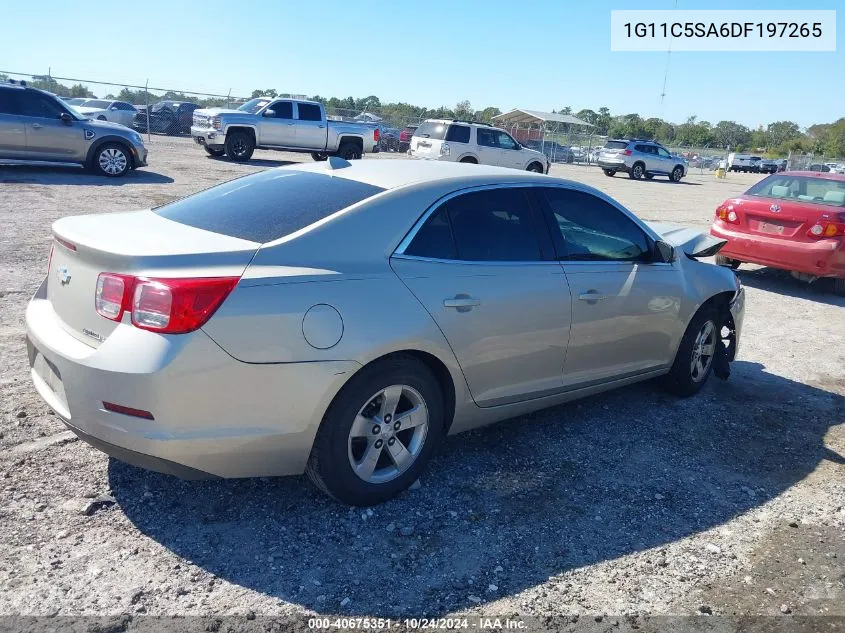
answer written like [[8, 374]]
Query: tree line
[[779, 137]]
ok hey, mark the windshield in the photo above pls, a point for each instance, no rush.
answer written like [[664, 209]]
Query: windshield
[[801, 189], [254, 105], [96, 103]]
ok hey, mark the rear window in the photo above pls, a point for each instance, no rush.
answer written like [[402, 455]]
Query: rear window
[[616, 145], [432, 129], [266, 206], [801, 189]]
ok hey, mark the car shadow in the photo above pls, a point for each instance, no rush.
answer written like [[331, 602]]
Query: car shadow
[[258, 162], [666, 181], [501, 509], [27, 175], [781, 282]]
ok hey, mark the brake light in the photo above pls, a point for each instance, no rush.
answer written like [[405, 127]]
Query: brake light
[[68, 245], [627, 152], [829, 225], [170, 306], [376, 135], [727, 213], [119, 408]]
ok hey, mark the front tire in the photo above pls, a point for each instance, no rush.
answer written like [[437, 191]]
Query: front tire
[[537, 168], [317, 156], [677, 174], [378, 433], [637, 171], [112, 160], [609, 173], [649, 176], [694, 360], [239, 146], [214, 151]]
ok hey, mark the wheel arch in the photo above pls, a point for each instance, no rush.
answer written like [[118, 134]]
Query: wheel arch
[[99, 142], [463, 158], [243, 128], [354, 140]]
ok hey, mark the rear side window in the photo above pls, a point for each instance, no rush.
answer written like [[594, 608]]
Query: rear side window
[[458, 134], [8, 103], [309, 112], [434, 239], [432, 129], [268, 205], [616, 145]]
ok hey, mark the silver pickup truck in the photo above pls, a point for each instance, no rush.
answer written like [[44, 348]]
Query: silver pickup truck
[[282, 124]]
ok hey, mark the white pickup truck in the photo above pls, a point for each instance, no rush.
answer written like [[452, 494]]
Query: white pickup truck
[[290, 125]]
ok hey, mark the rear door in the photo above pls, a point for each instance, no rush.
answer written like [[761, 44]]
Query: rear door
[[487, 147], [12, 126], [428, 138], [625, 306], [482, 265], [278, 128], [310, 126]]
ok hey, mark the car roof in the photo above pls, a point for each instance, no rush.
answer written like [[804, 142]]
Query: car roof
[[825, 175], [392, 174]]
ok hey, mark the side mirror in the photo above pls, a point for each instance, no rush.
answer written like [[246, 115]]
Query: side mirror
[[66, 118], [663, 252], [113, 108], [269, 113]]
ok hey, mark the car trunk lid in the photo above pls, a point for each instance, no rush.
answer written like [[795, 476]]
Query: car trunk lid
[[139, 243], [777, 217]]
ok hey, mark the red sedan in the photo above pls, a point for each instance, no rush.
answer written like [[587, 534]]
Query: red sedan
[[791, 220]]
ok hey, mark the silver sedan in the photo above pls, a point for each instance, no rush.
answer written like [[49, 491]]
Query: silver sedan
[[341, 318]]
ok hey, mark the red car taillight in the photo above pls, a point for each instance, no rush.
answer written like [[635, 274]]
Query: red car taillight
[[829, 225], [170, 306], [727, 213], [627, 152], [376, 135]]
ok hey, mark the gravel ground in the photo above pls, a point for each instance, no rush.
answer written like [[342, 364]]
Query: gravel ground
[[628, 503]]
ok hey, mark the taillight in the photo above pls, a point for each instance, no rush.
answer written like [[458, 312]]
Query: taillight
[[170, 306], [68, 245], [829, 225], [376, 135], [627, 152], [111, 297], [727, 213]]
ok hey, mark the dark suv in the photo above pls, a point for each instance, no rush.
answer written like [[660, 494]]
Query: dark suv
[[167, 117], [37, 127]]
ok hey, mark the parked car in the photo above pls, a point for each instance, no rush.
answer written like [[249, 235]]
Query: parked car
[[388, 139], [91, 113], [819, 167], [291, 125], [38, 127], [640, 158], [114, 111], [470, 142], [405, 137], [791, 220], [769, 165], [166, 117], [74, 101], [745, 163], [554, 151], [231, 323]]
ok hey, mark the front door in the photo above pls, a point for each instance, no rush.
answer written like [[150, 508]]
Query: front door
[[48, 138], [479, 267], [276, 126], [625, 304], [510, 154]]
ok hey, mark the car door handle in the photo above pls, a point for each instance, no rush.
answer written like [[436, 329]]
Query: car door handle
[[592, 295], [461, 302], [321, 126], [36, 126]]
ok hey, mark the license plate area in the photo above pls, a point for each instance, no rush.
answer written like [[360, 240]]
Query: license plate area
[[770, 228], [47, 371]]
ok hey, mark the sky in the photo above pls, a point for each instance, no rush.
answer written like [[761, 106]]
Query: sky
[[538, 55]]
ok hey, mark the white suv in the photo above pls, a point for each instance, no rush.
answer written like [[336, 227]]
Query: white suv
[[469, 142]]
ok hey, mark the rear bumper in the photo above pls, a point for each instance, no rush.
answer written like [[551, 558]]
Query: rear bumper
[[821, 258], [612, 164], [213, 415]]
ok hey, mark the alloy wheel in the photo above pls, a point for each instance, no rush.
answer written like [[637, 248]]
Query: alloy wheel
[[112, 161], [702, 351], [388, 434]]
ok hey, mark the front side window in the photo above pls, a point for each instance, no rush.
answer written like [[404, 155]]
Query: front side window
[[309, 112], [663, 153], [506, 142], [282, 110], [590, 229], [35, 104]]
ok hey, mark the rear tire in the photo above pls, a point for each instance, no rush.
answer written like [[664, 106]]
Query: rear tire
[[214, 151], [609, 172], [637, 171], [317, 156], [537, 168], [337, 464], [839, 287], [692, 367], [721, 260], [239, 146], [349, 151]]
